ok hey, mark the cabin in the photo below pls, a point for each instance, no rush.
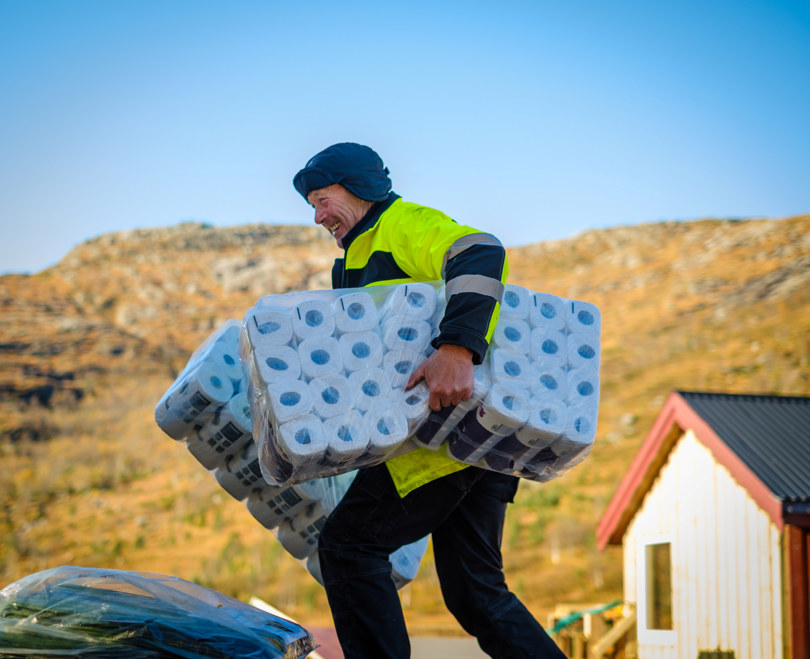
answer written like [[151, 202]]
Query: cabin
[[713, 518]]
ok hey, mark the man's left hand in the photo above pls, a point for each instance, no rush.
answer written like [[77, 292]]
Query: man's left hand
[[448, 373]]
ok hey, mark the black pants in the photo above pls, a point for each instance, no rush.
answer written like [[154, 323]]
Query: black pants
[[465, 513]]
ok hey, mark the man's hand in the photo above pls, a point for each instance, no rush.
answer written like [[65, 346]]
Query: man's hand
[[448, 373]]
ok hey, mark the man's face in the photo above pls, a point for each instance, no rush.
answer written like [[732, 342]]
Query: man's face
[[337, 210]]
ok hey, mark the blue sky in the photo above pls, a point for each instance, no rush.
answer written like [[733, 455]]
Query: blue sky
[[532, 120]]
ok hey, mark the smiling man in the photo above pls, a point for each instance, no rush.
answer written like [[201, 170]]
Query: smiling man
[[389, 241]]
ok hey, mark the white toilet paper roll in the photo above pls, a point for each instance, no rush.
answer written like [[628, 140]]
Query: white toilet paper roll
[[319, 356], [550, 381], [547, 421], [403, 333], [399, 364], [583, 317], [516, 302], [347, 437], [277, 363], [355, 312], [371, 388], [387, 428], [583, 350], [414, 403], [583, 387], [224, 357], [332, 395], [224, 433], [268, 328], [579, 434], [272, 505], [313, 318], [299, 536], [549, 347], [440, 424], [203, 388], [302, 440], [510, 366], [548, 311], [360, 350], [513, 334], [289, 399], [505, 409], [415, 301], [241, 474], [405, 562]]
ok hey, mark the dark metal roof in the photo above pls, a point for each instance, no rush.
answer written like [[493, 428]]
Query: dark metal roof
[[770, 434]]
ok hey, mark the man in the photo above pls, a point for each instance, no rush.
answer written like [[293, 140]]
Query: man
[[388, 241]]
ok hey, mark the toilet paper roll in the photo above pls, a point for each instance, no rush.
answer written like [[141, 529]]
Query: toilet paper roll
[[241, 474], [355, 312], [313, 318], [268, 328], [276, 468], [513, 334], [415, 301], [583, 388], [289, 399], [548, 311], [272, 505], [583, 350], [414, 403], [347, 437], [387, 428], [302, 440], [203, 388], [583, 317], [438, 426], [405, 562], [510, 366], [536, 463], [299, 536], [549, 348], [360, 350], [505, 409], [224, 433], [319, 356], [277, 363], [575, 443], [547, 420], [551, 381], [403, 333], [223, 355], [331, 395], [371, 388], [399, 364], [503, 456], [516, 302]]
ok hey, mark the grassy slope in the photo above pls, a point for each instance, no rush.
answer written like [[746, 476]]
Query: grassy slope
[[702, 306]]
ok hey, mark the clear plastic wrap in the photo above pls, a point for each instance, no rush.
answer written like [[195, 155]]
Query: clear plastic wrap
[[218, 433], [89, 612], [285, 405], [327, 372]]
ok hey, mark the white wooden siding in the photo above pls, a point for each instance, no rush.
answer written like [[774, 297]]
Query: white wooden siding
[[725, 560]]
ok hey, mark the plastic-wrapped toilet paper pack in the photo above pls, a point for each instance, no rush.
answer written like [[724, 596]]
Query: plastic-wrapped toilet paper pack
[[348, 357], [544, 345], [222, 442]]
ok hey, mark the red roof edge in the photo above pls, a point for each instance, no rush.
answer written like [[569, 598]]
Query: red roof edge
[[675, 417]]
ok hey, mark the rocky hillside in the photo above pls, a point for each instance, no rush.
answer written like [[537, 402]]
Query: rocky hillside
[[90, 345]]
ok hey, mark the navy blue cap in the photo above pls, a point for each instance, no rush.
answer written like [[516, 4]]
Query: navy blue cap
[[356, 167]]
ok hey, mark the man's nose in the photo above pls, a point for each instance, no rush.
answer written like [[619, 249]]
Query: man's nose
[[319, 215]]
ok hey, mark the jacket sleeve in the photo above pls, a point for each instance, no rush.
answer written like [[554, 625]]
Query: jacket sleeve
[[474, 267]]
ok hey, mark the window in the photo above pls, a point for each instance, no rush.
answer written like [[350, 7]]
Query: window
[[659, 586], [656, 620]]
